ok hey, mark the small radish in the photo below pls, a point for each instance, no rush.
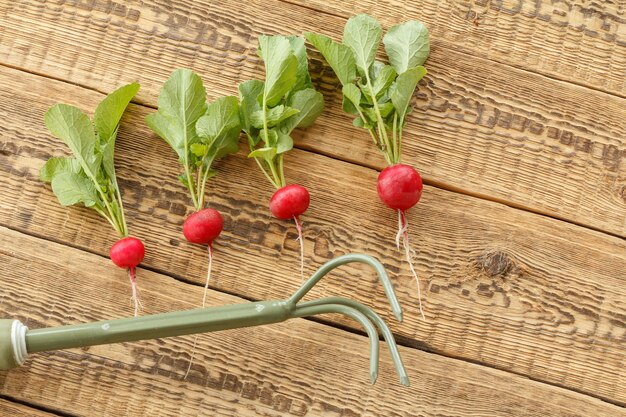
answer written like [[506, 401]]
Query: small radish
[[289, 202], [270, 111], [214, 133], [201, 134], [128, 252], [400, 186], [89, 176], [379, 95], [202, 228]]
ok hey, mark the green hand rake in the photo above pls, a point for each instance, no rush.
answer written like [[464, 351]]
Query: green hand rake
[[17, 341]]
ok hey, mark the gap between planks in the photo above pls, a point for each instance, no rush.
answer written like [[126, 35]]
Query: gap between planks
[[503, 63], [431, 182], [400, 340], [38, 407]]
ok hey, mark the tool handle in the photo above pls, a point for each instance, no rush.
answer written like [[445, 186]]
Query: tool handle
[[16, 341]]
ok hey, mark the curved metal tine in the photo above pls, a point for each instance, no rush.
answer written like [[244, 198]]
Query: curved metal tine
[[378, 321], [344, 259], [356, 315]]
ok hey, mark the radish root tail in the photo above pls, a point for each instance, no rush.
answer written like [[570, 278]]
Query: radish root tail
[[403, 230], [301, 239], [193, 352], [134, 299], [208, 275], [206, 290]]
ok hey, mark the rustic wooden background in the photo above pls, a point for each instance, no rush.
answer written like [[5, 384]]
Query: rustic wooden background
[[519, 132]]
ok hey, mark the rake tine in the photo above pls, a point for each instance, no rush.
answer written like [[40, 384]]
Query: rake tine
[[378, 321], [341, 260], [301, 311]]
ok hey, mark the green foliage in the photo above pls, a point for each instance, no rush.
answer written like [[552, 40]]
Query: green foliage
[[199, 132], [378, 94], [88, 177], [269, 111]]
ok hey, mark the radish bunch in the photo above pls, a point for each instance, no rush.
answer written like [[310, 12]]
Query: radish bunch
[[379, 95], [270, 111], [200, 133], [88, 177]]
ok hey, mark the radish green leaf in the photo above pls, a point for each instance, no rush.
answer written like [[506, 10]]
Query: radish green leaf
[[198, 132], [88, 177]]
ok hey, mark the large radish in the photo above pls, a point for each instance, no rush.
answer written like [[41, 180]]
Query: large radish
[[379, 95]]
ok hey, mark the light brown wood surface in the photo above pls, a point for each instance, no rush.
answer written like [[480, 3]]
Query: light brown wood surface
[[292, 368], [567, 40], [543, 298], [481, 127], [526, 314]]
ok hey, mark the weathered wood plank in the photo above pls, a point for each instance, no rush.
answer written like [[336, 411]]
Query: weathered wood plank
[[481, 127], [8, 408], [576, 41], [295, 368], [506, 288]]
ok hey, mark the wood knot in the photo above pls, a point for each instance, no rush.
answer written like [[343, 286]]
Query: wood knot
[[496, 264]]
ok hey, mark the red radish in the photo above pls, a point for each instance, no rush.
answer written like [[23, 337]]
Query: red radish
[[203, 227], [127, 253], [94, 185], [381, 100], [289, 202], [291, 95], [400, 186]]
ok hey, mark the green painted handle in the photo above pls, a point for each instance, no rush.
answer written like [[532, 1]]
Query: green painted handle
[[155, 326]]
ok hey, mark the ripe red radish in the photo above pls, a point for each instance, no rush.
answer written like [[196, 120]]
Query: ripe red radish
[[379, 94], [127, 253], [270, 111], [289, 202], [400, 186], [203, 133], [88, 177], [202, 228]]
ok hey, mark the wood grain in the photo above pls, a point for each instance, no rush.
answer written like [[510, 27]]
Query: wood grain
[[480, 127], [12, 409], [504, 288], [576, 41], [295, 368]]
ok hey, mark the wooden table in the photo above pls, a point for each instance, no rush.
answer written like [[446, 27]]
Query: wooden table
[[519, 132]]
